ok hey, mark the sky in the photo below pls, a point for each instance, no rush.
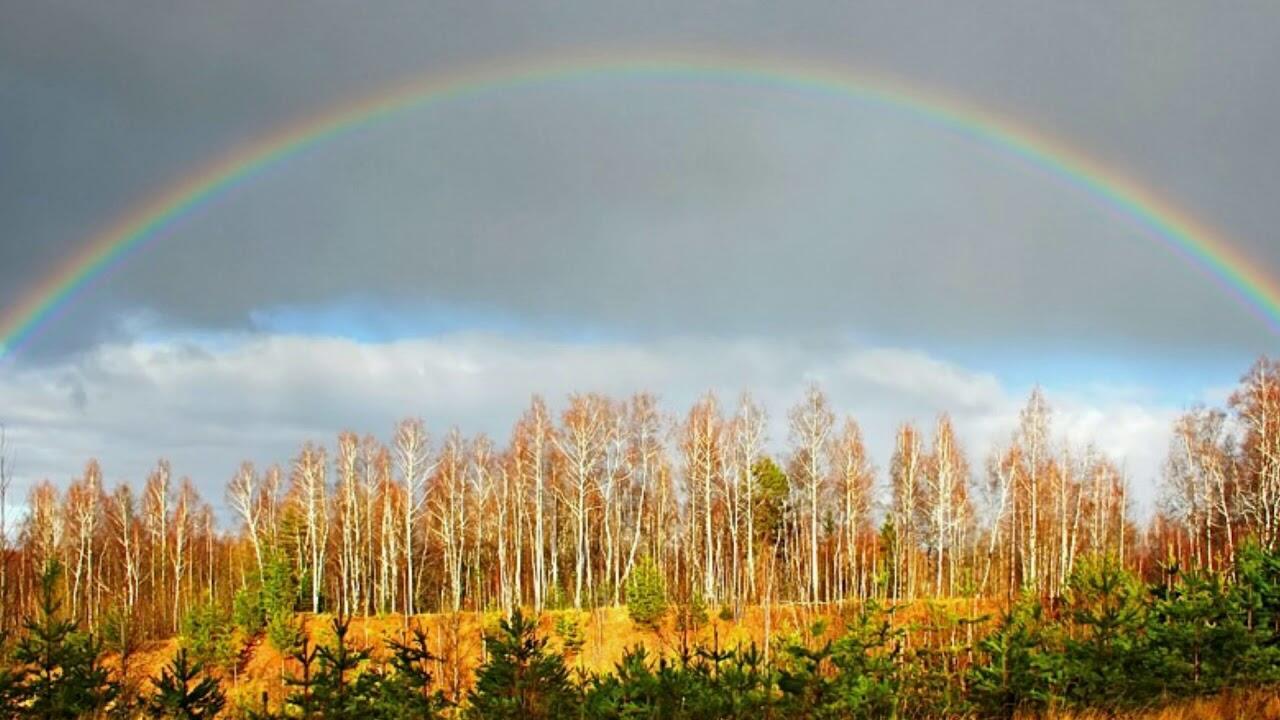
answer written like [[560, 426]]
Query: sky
[[619, 233]]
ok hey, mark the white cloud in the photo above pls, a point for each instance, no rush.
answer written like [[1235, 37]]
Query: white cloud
[[207, 405]]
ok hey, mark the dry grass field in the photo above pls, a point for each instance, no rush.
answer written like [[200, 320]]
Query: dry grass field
[[606, 634]]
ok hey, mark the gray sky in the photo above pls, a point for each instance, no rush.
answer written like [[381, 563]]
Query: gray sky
[[632, 233]]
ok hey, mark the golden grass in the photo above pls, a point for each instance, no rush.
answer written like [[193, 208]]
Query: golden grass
[[608, 633], [1260, 704]]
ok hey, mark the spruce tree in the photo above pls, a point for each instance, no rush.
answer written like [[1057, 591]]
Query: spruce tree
[[279, 597], [303, 698], [64, 678], [1015, 670], [185, 692], [521, 680], [335, 688], [646, 594], [207, 633], [569, 630], [1106, 660], [404, 690]]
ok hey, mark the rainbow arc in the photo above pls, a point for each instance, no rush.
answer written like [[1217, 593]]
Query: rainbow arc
[[1177, 230]]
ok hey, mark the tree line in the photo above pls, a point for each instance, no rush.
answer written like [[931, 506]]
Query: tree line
[[1112, 643], [576, 500]]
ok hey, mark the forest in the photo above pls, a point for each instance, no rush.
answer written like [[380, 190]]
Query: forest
[[747, 577]]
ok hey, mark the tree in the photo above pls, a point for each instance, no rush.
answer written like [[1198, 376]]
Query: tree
[[84, 509], [11, 677], [352, 510], [206, 634], [1017, 670], [404, 692], [646, 594], [185, 692], [242, 493], [63, 678], [156, 500], [701, 445], [335, 687], [412, 452], [811, 424], [529, 447], [948, 479], [303, 697], [310, 478], [906, 477], [1257, 407], [853, 476], [521, 680], [279, 597], [122, 517], [1033, 436], [1106, 661], [6, 478], [581, 443], [748, 435], [448, 500]]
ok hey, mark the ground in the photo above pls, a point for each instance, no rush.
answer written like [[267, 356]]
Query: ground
[[606, 634]]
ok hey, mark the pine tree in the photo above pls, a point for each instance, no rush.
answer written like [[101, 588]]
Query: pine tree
[[185, 692], [279, 598], [303, 698], [866, 682], [206, 632], [569, 630], [335, 689], [521, 680], [404, 691], [1017, 669], [246, 611], [646, 594], [65, 679], [1106, 661]]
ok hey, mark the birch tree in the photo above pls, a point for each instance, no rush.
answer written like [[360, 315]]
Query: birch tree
[[1034, 441], [948, 499], [1257, 408], [310, 477], [748, 438], [581, 443], [122, 516], [412, 453], [906, 475], [242, 493], [811, 425], [703, 464], [530, 446], [853, 475]]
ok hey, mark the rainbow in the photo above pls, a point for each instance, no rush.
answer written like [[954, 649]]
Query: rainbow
[[1200, 246]]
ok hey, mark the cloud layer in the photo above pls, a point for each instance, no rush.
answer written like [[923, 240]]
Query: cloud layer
[[208, 405]]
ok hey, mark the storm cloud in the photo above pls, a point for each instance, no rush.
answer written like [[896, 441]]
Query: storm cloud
[[646, 213]]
